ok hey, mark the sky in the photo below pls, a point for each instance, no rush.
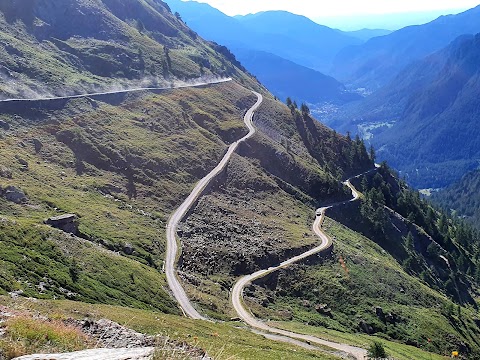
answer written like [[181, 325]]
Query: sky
[[352, 13]]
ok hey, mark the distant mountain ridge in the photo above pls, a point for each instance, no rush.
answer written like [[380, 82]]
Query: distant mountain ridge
[[377, 62], [425, 122], [285, 51], [285, 78]]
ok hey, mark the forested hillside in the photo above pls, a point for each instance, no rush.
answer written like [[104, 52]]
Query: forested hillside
[[425, 121], [462, 198]]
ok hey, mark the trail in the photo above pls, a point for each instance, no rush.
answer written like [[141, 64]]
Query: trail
[[326, 243], [172, 244]]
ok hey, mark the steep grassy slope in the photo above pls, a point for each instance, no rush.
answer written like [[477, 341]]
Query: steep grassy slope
[[425, 121], [219, 340], [377, 62], [122, 169], [384, 287], [76, 46]]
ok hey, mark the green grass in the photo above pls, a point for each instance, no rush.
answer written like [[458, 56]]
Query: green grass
[[374, 279], [26, 335], [396, 350], [224, 340]]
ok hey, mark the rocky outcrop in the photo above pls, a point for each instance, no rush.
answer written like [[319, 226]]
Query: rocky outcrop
[[13, 194], [66, 222]]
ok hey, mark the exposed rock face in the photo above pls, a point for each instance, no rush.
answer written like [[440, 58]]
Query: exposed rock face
[[67, 223], [13, 194], [111, 334]]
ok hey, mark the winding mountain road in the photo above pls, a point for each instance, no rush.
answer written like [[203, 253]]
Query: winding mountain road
[[172, 251], [180, 86], [249, 319]]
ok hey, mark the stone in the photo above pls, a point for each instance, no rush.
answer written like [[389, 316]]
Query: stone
[[38, 145], [5, 172], [14, 194], [367, 329], [128, 249], [66, 222], [324, 310], [4, 125], [22, 162], [379, 312]]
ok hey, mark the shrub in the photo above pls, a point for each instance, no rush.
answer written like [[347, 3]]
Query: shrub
[[377, 351]]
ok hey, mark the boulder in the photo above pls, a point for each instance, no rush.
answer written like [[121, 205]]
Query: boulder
[[38, 145], [379, 312], [4, 125], [324, 310], [367, 329], [128, 249], [13, 194], [5, 172], [67, 223], [22, 162]]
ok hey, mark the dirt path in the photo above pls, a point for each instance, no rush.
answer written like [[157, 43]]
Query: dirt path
[[172, 243], [326, 243]]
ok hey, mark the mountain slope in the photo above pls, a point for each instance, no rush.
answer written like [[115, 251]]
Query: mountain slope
[[308, 43], [425, 121], [287, 79], [267, 52], [123, 162], [99, 45], [462, 198], [379, 60], [367, 34]]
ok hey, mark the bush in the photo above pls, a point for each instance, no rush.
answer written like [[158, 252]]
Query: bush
[[377, 351]]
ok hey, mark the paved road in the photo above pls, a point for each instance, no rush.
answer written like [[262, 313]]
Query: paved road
[[197, 84], [249, 319], [179, 214]]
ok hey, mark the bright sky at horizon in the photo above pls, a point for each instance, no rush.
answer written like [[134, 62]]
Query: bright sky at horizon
[[324, 8]]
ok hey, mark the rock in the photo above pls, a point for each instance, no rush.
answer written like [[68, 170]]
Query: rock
[[379, 312], [14, 194], [4, 125], [324, 310], [306, 303], [286, 315], [5, 172], [367, 329], [38, 145], [67, 223], [97, 354], [15, 294], [22, 162], [392, 318], [128, 249]]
